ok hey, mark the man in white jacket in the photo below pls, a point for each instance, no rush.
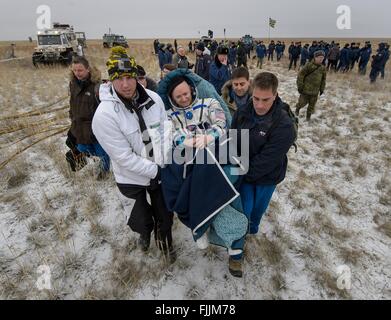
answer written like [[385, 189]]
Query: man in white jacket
[[129, 124]]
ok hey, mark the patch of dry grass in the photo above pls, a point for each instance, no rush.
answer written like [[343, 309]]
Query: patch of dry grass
[[99, 233], [278, 281], [70, 262], [322, 223], [212, 253], [93, 204], [361, 170], [350, 255], [386, 228], [343, 202], [270, 250], [21, 204], [127, 275], [17, 179], [383, 183], [385, 197], [193, 291], [38, 240]]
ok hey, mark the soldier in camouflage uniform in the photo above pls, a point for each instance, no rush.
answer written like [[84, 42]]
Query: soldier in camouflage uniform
[[311, 82]]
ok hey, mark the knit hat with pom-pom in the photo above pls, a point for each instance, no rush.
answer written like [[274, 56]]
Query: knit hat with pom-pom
[[120, 64]]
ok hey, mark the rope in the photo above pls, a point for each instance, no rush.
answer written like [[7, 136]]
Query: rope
[[4, 163]]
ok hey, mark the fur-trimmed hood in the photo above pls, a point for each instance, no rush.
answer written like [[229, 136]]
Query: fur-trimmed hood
[[225, 94]]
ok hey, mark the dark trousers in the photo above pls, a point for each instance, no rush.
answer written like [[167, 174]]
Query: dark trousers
[[382, 71], [242, 63], [145, 217], [332, 64], [293, 62], [374, 74], [343, 66], [362, 67]]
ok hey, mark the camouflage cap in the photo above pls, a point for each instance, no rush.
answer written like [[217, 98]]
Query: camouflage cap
[[120, 64]]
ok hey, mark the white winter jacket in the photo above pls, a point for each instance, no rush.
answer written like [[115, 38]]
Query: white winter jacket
[[118, 131]]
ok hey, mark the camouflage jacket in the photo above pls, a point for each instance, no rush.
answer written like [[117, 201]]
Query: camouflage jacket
[[312, 79]]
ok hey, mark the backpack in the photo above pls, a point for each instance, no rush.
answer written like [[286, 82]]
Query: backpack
[[294, 119]]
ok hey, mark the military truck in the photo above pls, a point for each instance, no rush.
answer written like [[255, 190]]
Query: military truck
[[248, 41], [55, 45], [112, 40], [81, 39]]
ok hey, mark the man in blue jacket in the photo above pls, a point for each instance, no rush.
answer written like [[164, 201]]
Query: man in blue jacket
[[365, 55], [314, 47], [271, 49], [271, 135], [304, 55], [261, 54], [219, 72], [162, 56], [378, 62], [344, 59], [232, 52], [295, 54], [203, 61], [385, 59], [279, 50]]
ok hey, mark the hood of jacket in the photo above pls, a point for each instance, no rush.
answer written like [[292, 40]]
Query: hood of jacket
[[166, 82], [227, 88]]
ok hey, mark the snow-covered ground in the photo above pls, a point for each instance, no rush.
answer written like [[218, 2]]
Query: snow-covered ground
[[332, 212]]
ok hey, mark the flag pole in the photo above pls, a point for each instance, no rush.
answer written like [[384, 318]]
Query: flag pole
[[269, 29]]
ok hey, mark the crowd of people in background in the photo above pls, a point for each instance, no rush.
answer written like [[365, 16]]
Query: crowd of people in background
[[116, 120], [338, 57]]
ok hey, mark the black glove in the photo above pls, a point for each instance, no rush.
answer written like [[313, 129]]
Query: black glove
[[300, 91], [320, 93], [154, 184], [76, 161], [71, 141]]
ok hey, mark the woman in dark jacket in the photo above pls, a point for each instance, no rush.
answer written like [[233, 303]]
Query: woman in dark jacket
[[84, 87]]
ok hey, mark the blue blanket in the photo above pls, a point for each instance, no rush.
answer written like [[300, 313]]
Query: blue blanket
[[197, 193], [206, 201]]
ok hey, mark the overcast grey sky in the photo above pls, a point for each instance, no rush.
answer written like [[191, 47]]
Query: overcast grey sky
[[184, 19]]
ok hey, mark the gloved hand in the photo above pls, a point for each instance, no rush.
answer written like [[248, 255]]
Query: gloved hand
[[154, 184], [320, 93]]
